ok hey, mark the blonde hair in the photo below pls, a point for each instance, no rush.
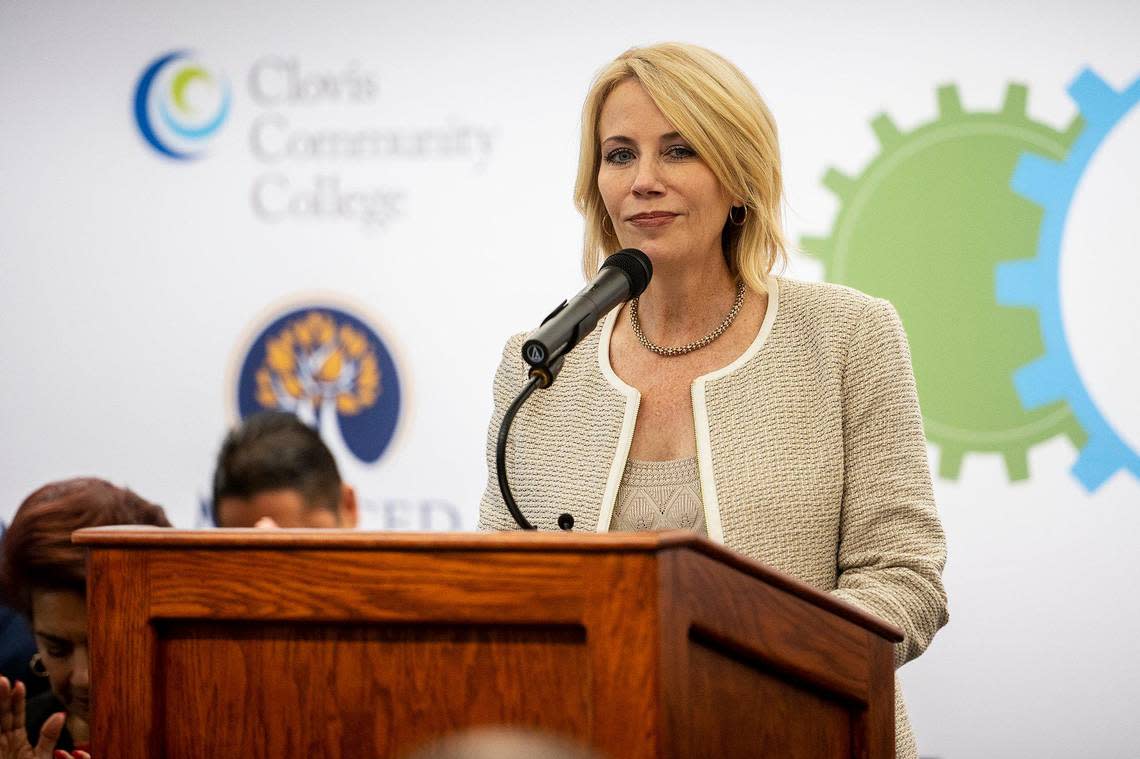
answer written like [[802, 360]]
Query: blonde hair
[[717, 110]]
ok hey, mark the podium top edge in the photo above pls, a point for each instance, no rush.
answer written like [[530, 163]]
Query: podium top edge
[[134, 537]]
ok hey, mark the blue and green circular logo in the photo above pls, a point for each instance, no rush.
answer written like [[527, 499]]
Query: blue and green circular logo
[[180, 104]]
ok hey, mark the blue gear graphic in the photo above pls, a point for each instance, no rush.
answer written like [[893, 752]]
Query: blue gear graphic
[[1036, 283]]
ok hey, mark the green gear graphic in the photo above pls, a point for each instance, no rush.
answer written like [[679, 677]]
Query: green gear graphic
[[924, 226]]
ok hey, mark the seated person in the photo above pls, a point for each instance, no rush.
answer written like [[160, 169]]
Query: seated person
[[275, 471], [17, 649], [44, 577], [16, 646]]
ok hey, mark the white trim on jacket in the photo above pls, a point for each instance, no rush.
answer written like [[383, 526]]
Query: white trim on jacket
[[632, 403], [700, 417]]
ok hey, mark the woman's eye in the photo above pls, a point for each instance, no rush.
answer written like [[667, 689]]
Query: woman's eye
[[680, 151], [620, 155], [59, 653]]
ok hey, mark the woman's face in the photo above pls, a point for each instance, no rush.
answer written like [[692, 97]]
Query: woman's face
[[59, 621], [660, 196]]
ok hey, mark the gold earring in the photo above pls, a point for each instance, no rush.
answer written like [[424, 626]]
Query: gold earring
[[36, 665], [743, 215], [606, 221]]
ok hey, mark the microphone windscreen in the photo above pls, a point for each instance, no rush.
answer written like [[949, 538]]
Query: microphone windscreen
[[636, 266]]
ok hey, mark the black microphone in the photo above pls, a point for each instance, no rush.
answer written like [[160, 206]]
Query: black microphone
[[624, 275]]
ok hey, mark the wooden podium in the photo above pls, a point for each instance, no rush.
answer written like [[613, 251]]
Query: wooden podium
[[256, 643]]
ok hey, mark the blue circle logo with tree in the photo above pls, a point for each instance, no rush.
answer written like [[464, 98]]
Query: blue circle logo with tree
[[332, 370]]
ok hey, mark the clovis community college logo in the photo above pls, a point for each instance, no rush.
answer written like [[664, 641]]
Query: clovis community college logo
[[332, 370], [180, 104]]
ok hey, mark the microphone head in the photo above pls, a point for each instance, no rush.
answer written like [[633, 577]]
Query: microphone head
[[636, 267]]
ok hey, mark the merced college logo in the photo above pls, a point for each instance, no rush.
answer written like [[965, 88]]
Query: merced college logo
[[331, 369], [180, 104]]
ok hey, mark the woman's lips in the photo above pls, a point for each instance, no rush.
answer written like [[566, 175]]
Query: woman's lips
[[652, 219]]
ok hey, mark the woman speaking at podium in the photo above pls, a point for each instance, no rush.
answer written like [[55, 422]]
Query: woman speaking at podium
[[777, 417]]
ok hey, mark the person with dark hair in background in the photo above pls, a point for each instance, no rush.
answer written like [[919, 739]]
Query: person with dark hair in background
[[17, 648], [44, 577], [273, 470]]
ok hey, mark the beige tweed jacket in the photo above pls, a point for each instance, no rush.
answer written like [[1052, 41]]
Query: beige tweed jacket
[[810, 452]]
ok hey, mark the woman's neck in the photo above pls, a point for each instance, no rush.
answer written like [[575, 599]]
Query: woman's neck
[[685, 303]]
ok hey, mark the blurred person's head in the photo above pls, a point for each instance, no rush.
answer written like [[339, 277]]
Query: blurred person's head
[[274, 469], [43, 575], [503, 743]]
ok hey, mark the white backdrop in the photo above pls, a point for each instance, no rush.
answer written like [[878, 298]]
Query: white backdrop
[[132, 284]]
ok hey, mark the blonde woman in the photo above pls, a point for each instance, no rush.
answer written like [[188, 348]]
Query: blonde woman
[[777, 417]]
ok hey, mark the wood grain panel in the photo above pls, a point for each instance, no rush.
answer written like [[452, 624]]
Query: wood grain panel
[[251, 643], [621, 618], [739, 711], [122, 644], [265, 690], [389, 586], [875, 729], [137, 537], [800, 639]]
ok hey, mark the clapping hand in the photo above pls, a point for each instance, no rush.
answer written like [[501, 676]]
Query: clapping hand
[[14, 736]]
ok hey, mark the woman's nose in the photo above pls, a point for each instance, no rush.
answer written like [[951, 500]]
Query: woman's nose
[[79, 672], [647, 181]]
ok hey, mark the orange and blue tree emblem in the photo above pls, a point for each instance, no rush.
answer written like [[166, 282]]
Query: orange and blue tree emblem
[[320, 363]]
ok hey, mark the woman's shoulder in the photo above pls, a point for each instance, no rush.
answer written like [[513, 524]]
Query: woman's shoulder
[[823, 313], [854, 328], [824, 299], [582, 359], [580, 370], [511, 371], [512, 348]]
